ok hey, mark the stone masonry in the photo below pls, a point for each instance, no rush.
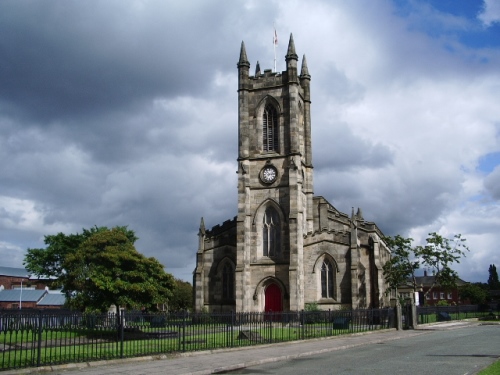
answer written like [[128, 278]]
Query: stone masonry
[[286, 247]]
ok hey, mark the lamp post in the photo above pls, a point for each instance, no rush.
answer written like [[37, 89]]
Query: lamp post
[[21, 295]]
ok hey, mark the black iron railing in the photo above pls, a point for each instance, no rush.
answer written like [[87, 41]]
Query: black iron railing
[[30, 338], [431, 314]]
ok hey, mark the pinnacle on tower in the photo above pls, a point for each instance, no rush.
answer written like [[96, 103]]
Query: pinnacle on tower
[[202, 227], [304, 72], [243, 56], [257, 69], [291, 54]]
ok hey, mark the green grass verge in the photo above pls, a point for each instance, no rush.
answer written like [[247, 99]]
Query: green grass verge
[[82, 345], [433, 318], [494, 369]]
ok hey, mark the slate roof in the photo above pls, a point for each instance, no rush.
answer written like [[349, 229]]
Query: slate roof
[[14, 272], [14, 295], [52, 299], [429, 280]]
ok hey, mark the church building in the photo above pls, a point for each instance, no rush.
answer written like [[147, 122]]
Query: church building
[[286, 247]]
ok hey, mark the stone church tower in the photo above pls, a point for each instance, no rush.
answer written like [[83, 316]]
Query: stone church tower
[[285, 247]]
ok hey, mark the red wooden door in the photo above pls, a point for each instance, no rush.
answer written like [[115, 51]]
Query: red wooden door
[[273, 299]]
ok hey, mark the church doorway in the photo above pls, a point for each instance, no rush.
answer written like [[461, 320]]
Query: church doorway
[[273, 298]]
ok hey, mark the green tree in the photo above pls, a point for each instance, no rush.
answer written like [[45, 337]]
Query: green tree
[[106, 269], [438, 255], [400, 269], [48, 262], [493, 281], [182, 296], [474, 293]]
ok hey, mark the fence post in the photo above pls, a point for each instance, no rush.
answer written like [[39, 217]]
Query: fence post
[[273, 316], [184, 331], [121, 320], [40, 332], [232, 328], [303, 321], [399, 316]]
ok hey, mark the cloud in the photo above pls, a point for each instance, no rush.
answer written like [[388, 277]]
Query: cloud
[[126, 114], [490, 13], [492, 184]]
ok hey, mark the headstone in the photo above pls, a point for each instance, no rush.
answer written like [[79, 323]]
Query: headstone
[[250, 335]]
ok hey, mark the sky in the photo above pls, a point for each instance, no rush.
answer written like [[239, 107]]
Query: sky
[[125, 113]]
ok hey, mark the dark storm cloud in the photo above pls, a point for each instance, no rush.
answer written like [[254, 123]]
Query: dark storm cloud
[[492, 183], [339, 149], [125, 113], [69, 59]]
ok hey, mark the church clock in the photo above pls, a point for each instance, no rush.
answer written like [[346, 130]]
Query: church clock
[[268, 174]]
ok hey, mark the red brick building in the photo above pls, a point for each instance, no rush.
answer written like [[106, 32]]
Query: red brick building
[[437, 293], [20, 290]]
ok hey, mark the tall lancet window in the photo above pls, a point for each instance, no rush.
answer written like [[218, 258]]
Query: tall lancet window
[[327, 281], [271, 233], [270, 129], [227, 282]]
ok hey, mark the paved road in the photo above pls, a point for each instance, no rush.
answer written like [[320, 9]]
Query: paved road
[[464, 341], [459, 351]]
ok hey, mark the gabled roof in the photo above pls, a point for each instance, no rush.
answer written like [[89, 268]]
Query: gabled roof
[[52, 299], [14, 272], [429, 280], [26, 295]]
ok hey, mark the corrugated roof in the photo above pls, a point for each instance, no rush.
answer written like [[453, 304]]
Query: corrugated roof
[[14, 295], [15, 272], [52, 299]]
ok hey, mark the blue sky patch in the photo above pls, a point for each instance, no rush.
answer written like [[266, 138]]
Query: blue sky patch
[[473, 34], [488, 162]]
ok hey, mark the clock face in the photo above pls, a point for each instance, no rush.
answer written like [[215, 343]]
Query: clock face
[[269, 175]]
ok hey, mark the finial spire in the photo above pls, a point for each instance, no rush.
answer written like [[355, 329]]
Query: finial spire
[[243, 56], [257, 69], [304, 72], [291, 54], [202, 227]]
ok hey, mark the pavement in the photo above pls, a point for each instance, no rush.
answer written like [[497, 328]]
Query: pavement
[[224, 360]]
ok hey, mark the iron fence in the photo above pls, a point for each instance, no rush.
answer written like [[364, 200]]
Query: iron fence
[[49, 337], [431, 314]]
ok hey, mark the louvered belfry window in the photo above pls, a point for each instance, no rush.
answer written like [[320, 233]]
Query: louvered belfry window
[[270, 129]]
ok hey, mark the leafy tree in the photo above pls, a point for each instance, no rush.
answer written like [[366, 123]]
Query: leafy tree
[[474, 293], [106, 269], [182, 297], [438, 254], [400, 269], [48, 262], [493, 281]]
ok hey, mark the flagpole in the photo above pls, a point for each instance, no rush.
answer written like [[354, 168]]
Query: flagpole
[[275, 41]]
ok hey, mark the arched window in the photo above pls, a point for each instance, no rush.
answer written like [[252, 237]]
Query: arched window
[[227, 282], [271, 233], [270, 129], [327, 280]]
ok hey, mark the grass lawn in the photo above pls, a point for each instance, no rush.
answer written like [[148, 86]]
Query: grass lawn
[[494, 369], [78, 344]]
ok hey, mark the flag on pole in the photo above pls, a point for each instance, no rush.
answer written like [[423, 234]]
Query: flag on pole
[[275, 43]]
